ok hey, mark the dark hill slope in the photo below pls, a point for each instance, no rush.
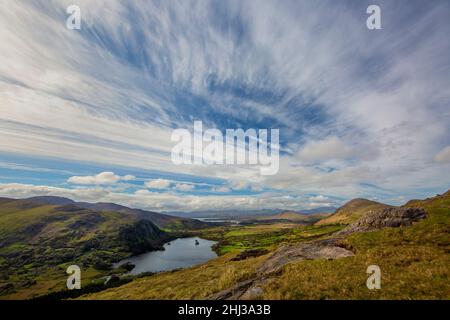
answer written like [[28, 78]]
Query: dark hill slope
[[163, 221], [36, 237]]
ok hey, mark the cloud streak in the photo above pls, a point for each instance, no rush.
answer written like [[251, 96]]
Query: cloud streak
[[360, 112]]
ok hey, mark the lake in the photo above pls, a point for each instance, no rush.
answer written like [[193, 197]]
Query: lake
[[180, 253], [218, 220]]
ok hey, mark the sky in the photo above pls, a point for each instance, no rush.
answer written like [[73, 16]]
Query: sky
[[88, 114]]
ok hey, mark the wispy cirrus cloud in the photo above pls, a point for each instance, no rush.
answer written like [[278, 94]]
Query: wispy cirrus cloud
[[360, 112]]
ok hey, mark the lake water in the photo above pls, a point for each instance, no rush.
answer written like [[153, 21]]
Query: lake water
[[218, 220], [181, 253]]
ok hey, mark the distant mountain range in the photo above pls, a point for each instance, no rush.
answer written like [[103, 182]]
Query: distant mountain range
[[172, 218], [230, 214], [287, 216]]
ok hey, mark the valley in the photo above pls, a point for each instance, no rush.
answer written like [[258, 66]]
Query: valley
[[284, 256]]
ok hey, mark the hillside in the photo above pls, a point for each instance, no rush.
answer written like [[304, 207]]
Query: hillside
[[439, 201], [352, 211], [311, 262], [163, 221], [262, 261], [38, 239], [290, 216]]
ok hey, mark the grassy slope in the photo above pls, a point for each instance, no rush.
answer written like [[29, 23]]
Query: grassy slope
[[193, 283], [233, 239], [414, 262], [290, 216], [163, 221], [352, 211], [38, 242], [200, 281]]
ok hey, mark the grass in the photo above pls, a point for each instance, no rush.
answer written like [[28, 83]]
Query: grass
[[221, 273], [52, 279], [37, 240], [193, 283], [239, 238], [414, 262]]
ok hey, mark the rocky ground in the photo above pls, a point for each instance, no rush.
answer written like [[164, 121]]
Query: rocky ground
[[321, 249], [389, 217], [251, 289]]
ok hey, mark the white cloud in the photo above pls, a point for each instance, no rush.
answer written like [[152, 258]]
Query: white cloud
[[319, 198], [320, 201], [101, 178], [443, 156], [184, 187], [147, 200], [158, 184], [315, 205], [55, 99], [331, 148], [17, 190], [222, 189]]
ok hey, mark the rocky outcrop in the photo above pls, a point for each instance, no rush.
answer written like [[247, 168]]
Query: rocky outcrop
[[325, 249], [321, 249], [388, 217], [253, 288]]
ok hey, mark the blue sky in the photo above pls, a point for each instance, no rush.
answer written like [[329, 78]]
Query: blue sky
[[88, 113]]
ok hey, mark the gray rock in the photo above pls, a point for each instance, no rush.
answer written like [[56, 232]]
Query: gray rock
[[253, 288], [325, 249], [385, 218], [320, 249]]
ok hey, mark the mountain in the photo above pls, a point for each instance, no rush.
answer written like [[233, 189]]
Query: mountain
[[163, 221], [230, 213], [51, 200], [313, 262], [233, 213], [289, 216], [352, 211], [322, 210], [36, 237], [440, 200]]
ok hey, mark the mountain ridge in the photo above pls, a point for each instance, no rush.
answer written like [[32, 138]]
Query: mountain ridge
[[245, 213], [160, 219]]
